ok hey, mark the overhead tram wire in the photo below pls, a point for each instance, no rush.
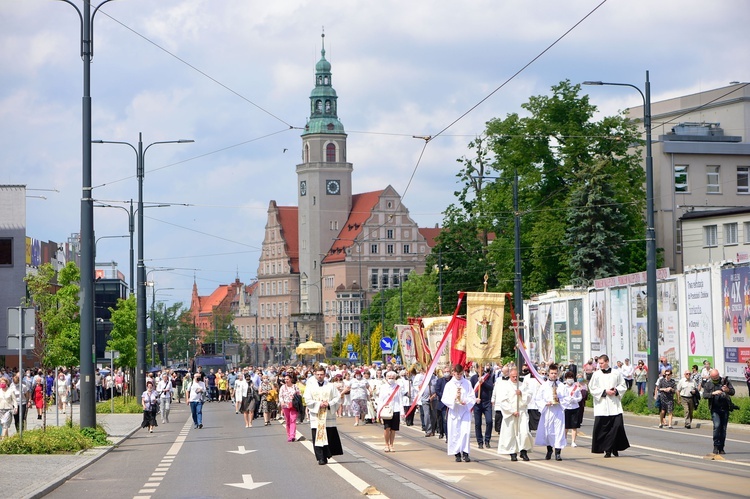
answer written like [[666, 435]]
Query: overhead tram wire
[[197, 157], [429, 138], [269, 113], [204, 233]]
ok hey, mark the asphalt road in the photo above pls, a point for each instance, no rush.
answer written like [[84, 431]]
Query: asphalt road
[[225, 459]]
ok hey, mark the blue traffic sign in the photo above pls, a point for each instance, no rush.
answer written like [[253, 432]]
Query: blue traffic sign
[[349, 347], [353, 356], [386, 344]]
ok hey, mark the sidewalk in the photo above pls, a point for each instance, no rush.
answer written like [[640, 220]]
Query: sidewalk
[[32, 476]]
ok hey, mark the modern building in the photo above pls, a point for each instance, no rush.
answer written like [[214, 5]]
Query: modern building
[[12, 256], [701, 159], [715, 236]]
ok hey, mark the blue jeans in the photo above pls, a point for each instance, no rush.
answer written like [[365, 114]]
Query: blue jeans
[[641, 385], [483, 409], [196, 410], [720, 420]]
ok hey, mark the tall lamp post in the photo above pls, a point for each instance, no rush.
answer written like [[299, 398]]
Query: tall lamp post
[[87, 350], [140, 299], [652, 324]]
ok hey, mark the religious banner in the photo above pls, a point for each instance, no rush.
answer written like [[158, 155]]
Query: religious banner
[[405, 335], [434, 329], [735, 284], [699, 318], [546, 339], [458, 342], [484, 326], [619, 338], [421, 346]]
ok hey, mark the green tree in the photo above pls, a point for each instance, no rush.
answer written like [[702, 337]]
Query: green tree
[[593, 227], [352, 339], [338, 343], [123, 337], [549, 150], [57, 312], [375, 337]]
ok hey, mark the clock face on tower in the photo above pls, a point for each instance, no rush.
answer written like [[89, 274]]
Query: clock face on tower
[[333, 187], [303, 188]]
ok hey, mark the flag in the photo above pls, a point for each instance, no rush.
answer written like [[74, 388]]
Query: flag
[[484, 326], [408, 344], [458, 342], [438, 352], [424, 357]]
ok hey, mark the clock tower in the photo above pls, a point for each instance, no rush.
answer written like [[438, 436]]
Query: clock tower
[[324, 190]]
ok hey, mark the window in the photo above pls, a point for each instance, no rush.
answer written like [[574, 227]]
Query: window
[[331, 153], [6, 251], [681, 178], [406, 249], [713, 184], [374, 249], [396, 277], [678, 237], [709, 233], [746, 230], [389, 234], [743, 177], [730, 234], [384, 278], [374, 278], [334, 224], [389, 249]]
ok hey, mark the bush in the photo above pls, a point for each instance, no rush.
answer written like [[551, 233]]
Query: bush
[[123, 405], [67, 439]]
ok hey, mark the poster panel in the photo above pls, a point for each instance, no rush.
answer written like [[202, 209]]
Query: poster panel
[[638, 326], [598, 322], [668, 320], [575, 326], [699, 318], [619, 336], [735, 284], [560, 327]]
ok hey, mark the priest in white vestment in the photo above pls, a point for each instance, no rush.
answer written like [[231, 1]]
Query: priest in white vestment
[[513, 398], [459, 398], [551, 430], [322, 400]]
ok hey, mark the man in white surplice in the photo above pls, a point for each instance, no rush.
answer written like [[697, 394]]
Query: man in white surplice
[[459, 398], [512, 399], [551, 430]]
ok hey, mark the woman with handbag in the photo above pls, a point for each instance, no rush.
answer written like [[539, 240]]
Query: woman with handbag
[[150, 403], [391, 405], [287, 393]]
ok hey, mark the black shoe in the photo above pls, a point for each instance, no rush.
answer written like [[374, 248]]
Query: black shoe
[[467, 459], [441, 436], [513, 457], [607, 454], [721, 451], [615, 453], [716, 450], [481, 445], [549, 453], [687, 426], [524, 455], [458, 457], [487, 444], [558, 457], [322, 461], [200, 426]]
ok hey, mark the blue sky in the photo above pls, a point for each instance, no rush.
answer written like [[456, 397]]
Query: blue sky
[[235, 75]]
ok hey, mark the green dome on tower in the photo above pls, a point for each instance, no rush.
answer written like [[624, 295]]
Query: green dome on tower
[[323, 100]]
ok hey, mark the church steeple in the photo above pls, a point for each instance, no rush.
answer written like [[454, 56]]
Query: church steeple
[[323, 99]]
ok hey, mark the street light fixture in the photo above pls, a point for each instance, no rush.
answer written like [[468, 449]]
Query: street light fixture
[[140, 153], [652, 325]]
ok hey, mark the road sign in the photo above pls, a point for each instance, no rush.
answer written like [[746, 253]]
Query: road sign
[[386, 344], [349, 347], [353, 356], [14, 327]]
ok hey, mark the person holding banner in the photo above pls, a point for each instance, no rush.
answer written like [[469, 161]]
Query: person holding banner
[[550, 398], [322, 399], [390, 407], [513, 399], [484, 384], [458, 397]]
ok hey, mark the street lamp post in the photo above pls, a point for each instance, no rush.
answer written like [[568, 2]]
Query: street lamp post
[[140, 153], [87, 350], [652, 324]]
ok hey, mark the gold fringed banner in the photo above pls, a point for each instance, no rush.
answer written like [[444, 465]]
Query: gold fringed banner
[[484, 326]]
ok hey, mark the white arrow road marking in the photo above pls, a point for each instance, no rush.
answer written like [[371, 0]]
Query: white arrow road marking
[[241, 450], [444, 474], [247, 483]]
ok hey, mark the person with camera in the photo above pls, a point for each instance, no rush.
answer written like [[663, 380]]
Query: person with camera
[[718, 391], [150, 403]]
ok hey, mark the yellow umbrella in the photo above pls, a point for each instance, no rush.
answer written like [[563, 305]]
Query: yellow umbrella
[[310, 348]]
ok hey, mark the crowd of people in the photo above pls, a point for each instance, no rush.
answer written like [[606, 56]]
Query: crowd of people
[[492, 397]]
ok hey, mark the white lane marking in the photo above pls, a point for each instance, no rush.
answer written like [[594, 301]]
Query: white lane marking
[[360, 485], [247, 483]]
